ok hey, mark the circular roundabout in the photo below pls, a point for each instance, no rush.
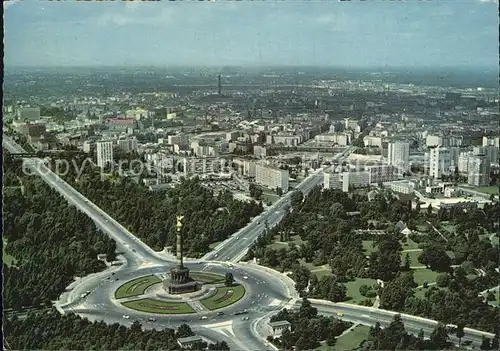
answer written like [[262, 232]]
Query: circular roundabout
[[150, 294]]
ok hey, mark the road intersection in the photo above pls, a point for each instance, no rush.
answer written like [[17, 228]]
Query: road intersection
[[268, 291]]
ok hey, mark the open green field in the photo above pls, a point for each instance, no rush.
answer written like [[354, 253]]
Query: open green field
[[409, 245], [368, 247], [136, 287], [413, 257], [353, 289], [319, 271], [207, 277], [486, 189], [224, 297], [349, 341], [420, 275], [294, 240], [159, 307], [6, 258]]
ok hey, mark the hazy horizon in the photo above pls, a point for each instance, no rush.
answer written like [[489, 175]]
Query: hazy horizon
[[355, 35]]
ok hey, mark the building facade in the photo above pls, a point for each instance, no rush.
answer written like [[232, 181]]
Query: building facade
[[271, 177], [479, 171], [104, 153], [439, 162], [398, 155]]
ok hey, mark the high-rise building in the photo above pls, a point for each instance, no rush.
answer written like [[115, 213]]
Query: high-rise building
[[479, 171], [439, 162], [127, 144], [104, 153], [399, 155], [271, 177], [219, 86]]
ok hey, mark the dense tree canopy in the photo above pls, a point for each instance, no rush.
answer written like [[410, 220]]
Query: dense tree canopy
[[52, 242], [151, 215]]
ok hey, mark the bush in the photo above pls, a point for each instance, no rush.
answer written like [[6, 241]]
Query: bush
[[364, 289], [443, 280]]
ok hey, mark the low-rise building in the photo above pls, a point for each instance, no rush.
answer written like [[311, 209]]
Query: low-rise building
[[277, 328], [189, 342]]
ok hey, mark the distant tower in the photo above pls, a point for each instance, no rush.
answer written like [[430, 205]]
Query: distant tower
[[219, 87]]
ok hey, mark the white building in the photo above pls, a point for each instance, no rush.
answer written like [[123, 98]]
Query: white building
[[494, 141], [463, 162], [479, 171], [372, 141], [433, 140], [272, 177], [341, 139], [399, 155], [492, 154], [104, 153], [28, 113], [439, 162], [403, 187]]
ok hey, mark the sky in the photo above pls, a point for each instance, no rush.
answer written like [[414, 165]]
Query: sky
[[293, 32]]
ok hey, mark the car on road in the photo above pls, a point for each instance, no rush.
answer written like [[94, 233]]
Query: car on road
[[258, 222], [340, 314], [203, 318], [244, 318], [216, 255], [245, 277], [133, 250], [125, 316], [152, 319], [220, 313]]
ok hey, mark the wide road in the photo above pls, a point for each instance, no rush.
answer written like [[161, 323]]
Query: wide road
[[267, 292], [264, 294], [137, 252], [235, 247]]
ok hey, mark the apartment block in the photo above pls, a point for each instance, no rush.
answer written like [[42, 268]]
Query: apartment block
[[439, 162], [398, 155], [381, 173], [127, 144], [272, 177], [479, 171], [104, 153]]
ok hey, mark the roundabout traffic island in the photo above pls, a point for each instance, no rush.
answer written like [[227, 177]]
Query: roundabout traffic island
[[148, 294]]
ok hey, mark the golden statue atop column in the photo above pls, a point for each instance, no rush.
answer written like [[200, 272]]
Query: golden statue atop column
[[179, 281]]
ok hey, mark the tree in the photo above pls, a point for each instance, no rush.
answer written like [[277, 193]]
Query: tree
[[436, 258], [306, 310], [228, 279], [485, 344], [407, 264], [279, 191], [439, 337], [255, 191], [460, 333], [429, 210], [442, 280], [111, 251], [296, 198]]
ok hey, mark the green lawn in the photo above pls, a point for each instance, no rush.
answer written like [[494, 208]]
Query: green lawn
[[136, 287], [413, 257], [409, 245], [224, 297], [424, 274], [353, 289], [294, 240], [159, 307], [368, 247], [349, 341], [6, 258], [420, 292], [213, 245], [207, 277], [319, 271], [486, 189]]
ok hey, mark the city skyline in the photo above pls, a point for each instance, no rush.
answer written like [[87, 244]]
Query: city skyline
[[378, 34]]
